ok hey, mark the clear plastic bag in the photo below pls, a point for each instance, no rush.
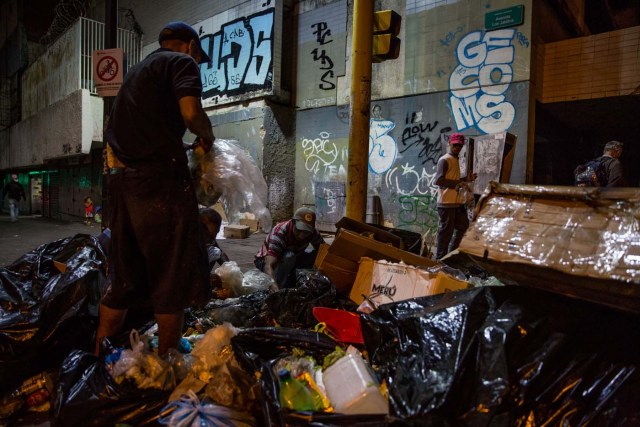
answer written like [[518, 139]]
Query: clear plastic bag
[[228, 174], [190, 412], [145, 368], [239, 283]]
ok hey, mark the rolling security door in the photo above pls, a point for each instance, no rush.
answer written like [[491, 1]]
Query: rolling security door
[[50, 195]]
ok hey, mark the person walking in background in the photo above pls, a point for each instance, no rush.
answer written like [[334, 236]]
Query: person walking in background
[[285, 248], [157, 250], [603, 171], [16, 192], [452, 214]]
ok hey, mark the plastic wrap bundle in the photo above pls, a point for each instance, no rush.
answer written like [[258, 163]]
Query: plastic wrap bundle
[[229, 175]]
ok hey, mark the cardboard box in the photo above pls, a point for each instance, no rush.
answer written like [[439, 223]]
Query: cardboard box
[[352, 246], [253, 224], [577, 241], [323, 250], [384, 282], [340, 261], [234, 231], [61, 260]]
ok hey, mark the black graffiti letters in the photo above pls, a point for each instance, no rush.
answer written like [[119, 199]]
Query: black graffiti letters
[[323, 58], [417, 134], [321, 32]]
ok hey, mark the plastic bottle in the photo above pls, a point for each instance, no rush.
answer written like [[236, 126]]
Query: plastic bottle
[[293, 394]]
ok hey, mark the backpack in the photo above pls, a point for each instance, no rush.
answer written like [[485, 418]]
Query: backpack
[[592, 174]]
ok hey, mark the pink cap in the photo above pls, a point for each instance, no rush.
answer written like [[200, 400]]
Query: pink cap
[[456, 138]]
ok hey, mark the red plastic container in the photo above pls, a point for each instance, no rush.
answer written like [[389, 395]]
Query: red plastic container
[[344, 325]]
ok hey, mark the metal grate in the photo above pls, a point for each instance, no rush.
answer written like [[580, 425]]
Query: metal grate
[[92, 37]]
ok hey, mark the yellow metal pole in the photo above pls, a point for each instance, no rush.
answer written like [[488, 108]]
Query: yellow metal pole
[[361, 52]]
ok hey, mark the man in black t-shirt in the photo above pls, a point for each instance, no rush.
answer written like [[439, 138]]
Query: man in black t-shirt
[[157, 252]]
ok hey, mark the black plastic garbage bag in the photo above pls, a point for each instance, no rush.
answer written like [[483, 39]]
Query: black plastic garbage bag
[[293, 307], [507, 356], [245, 311], [258, 349], [88, 396], [45, 313]]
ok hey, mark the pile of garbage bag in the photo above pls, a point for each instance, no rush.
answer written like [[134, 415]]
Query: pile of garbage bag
[[490, 355], [45, 313]]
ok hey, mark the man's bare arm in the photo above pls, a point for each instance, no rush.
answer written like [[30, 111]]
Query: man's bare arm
[[196, 120]]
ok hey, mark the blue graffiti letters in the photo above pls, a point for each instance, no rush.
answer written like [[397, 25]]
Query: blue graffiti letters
[[480, 80], [241, 56]]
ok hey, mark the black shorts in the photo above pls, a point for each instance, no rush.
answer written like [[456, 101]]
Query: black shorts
[[157, 252]]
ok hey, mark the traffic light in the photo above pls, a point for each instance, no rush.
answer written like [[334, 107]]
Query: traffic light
[[386, 27]]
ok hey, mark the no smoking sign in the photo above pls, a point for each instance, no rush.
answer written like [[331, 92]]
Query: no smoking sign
[[107, 71]]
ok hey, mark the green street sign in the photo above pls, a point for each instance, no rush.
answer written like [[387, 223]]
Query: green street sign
[[509, 17]]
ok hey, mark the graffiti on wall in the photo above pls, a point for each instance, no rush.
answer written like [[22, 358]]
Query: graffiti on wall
[[241, 56], [330, 201], [383, 149], [426, 137], [418, 213], [406, 180], [479, 82], [323, 36], [321, 155]]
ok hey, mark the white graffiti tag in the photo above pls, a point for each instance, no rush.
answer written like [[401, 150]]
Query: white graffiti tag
[[319, 152], [480, 80], [383, 149], [410, 182]]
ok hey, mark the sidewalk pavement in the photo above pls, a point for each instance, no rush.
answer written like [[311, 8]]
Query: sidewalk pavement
[[29, 232]]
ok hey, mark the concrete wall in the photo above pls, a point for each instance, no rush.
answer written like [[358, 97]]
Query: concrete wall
[[408, 136], [451, 76], [66, 128], [54, 75]]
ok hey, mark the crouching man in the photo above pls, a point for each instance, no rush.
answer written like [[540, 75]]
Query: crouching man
[[285, 248]]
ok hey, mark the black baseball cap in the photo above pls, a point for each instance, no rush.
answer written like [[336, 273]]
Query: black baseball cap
[[180, 31]]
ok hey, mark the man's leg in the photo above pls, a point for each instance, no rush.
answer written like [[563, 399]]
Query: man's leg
[[169, 330], [111, 321], [445, 231], [461, 224], [13, 209]]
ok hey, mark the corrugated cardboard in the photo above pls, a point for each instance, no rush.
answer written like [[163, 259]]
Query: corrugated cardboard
[[352, 246], [577, 241], [384, 282], [234, 231], [339, 262], [253, 224]]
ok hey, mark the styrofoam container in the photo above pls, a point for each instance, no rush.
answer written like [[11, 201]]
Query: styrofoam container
[[351, 388]]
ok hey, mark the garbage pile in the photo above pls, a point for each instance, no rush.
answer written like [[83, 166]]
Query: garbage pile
[[316, 354]]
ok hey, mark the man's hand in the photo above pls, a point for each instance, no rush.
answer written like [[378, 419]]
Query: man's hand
[[471, 177], [204, 144]]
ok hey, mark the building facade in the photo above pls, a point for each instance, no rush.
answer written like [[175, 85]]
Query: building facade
[[279, 84]]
